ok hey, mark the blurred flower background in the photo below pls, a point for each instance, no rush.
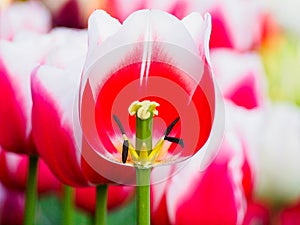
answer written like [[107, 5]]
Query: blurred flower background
[[255, 57]]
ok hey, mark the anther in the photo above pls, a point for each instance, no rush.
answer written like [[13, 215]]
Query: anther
[[125, 151], [170, 127], [119, 124], [175, 140], [125, 146]]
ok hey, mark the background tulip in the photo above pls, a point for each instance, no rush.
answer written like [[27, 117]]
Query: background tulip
[[14, 169], [72, 13], [241, 77], [275, 148], [213, 196], [236, 24], [24, 16]]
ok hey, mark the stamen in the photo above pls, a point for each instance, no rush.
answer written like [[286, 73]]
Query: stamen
[[175, 140], [119, 124], [170, 127], [126, 142], [125, 151]]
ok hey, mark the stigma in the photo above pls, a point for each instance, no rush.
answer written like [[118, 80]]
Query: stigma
[[144, 109]]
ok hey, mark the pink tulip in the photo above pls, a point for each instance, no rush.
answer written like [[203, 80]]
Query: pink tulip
[[213, 196], [13, 173], [24, 16], [241, 77], [11, 206], [142, 59]]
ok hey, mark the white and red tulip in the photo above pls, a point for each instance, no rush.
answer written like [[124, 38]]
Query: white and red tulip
[[142, 59], [213, 196], [241, 77]]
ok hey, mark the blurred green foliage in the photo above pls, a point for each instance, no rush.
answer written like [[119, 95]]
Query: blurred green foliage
[[281, 58], [50, 213]]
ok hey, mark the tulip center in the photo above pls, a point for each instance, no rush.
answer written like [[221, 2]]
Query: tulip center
[[143, 154]]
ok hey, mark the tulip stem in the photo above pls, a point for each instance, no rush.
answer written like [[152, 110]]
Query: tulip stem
[[143, 195], [101, 204], [143, 146], [68, 205], [31, 191]]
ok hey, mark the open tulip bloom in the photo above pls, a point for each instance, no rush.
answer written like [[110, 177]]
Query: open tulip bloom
[[147, 96]]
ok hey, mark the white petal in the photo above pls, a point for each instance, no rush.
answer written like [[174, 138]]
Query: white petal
[[145, 35], [101, 25]]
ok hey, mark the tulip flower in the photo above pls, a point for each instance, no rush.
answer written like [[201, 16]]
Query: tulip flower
[[54, 88], [72, 13], [213, 196], [18, 17], [16, 66], [235, 24], [271, 147], [11, 206], [14, 169], [149, 90], [241, 77], [147, 97], [50, 100], [277, 148]]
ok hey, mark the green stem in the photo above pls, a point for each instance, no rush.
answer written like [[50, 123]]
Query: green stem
[[143, 137], [101, 204], [143, 196], [68, 205], [31, 191]]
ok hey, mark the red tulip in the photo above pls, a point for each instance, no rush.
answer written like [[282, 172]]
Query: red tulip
[[14, 169], [213, 196], [11, 206], [18, 17], [143, 60]]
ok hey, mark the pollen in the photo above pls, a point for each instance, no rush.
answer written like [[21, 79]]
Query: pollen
[[143, 109]]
